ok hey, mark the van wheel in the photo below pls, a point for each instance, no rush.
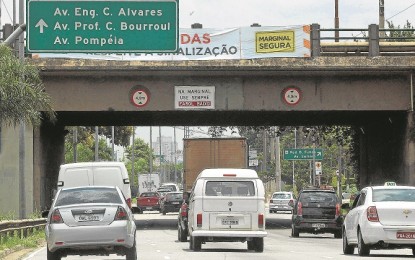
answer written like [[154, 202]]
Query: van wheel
[[191, 247], [251, 245], [197, 243], [53, 255], [259, 244]]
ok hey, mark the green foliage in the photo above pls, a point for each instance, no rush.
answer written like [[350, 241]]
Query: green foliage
[[22, 95], [31, 241], [329, 138], [142, 153], [397, 35], [11, 215]]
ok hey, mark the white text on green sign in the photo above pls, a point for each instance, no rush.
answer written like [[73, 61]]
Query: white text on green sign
[[102, 26], [303, 154]]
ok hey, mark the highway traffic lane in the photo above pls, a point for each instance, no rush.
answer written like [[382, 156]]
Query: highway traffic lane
[[157, 239]]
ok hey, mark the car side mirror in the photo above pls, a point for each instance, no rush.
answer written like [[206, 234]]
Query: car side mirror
[[345, 206], [291, 203]]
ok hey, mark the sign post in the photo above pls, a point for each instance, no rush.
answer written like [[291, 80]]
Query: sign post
[[97, 26]]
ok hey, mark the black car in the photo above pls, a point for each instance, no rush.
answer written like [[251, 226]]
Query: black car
[[171, 202], [182, 219], [317, 211]]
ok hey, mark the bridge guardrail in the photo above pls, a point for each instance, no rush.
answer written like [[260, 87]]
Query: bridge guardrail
[[20, 228], [372, 42]]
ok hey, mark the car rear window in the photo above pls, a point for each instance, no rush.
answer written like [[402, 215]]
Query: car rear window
[[318, 197], [88, 195], [281, 196], [174, 196], [149, 194], [394, 195], [230, 188]]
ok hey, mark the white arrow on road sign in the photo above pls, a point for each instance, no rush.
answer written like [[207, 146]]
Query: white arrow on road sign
[[41, 24]]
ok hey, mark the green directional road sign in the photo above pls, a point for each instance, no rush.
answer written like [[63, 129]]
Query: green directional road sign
[[303, 154], [97, 26]]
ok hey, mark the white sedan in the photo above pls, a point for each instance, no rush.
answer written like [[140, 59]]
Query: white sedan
[[90, 220], [382, 217]]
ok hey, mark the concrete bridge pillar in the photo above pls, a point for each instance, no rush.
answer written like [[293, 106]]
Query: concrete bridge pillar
[[49, 146]]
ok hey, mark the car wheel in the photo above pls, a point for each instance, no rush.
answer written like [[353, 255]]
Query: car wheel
[[182, 236], [251, 245], [163, 212], [197, 243], [259, 244], [338, 234], [131, 252], [294, 231], [347, 249], [53, 255], [362, 248]]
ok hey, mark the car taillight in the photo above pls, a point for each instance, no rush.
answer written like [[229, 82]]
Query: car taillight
[[372, 214], [260, 220], [121, 214], [338, 211], [184, 210], [299, 209], [199, 220], [291, 202], [56, 217], [129, 202]]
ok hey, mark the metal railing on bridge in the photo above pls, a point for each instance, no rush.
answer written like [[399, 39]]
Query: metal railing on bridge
[[370, 42]]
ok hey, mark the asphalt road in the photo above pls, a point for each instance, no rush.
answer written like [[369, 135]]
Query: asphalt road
[[157, 239]]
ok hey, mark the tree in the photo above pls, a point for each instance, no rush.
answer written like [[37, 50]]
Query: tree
[[142, 153], [396, 34], [22, 95]]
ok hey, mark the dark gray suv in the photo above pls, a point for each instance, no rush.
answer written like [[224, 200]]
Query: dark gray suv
[[317, 211]]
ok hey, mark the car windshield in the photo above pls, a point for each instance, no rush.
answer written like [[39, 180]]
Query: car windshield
[[88, 195], [281, 196], [394, 195], [230, 188]]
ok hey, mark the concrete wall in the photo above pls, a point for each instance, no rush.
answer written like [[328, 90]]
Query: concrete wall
[[16, 192]]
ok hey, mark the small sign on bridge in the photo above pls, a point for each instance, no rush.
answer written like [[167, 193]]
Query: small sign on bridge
[[96, 26]]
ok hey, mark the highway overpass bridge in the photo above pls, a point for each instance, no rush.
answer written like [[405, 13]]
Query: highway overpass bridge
[[373, 93]]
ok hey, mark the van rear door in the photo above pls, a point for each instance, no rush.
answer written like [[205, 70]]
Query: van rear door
[[73, 177], [230, 204]]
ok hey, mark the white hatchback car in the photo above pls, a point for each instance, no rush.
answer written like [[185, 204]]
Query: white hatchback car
[[381, 217]]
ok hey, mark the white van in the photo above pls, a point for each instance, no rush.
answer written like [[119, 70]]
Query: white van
[[227, 205], [95, 174]]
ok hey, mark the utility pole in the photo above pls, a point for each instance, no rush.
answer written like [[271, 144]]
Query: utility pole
[[336, 20], [151, 149], [382, 18], [175, 155], [295, 146], [96, 143]]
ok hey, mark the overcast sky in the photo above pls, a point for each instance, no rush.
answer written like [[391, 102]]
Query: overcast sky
[[239, 13]]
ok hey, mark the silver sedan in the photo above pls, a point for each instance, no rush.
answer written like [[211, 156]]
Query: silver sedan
[[90, 220]]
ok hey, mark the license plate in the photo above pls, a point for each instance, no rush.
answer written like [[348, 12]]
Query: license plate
[[149, 208], [228, 222], [318, 225], [88, 218], [176, 202], [405, 235]]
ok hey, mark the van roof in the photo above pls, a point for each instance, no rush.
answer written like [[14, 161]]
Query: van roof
[[228, 172], [91, 164]]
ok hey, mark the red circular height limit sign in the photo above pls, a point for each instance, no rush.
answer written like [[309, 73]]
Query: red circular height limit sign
[[291, 95], [140, 97]]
